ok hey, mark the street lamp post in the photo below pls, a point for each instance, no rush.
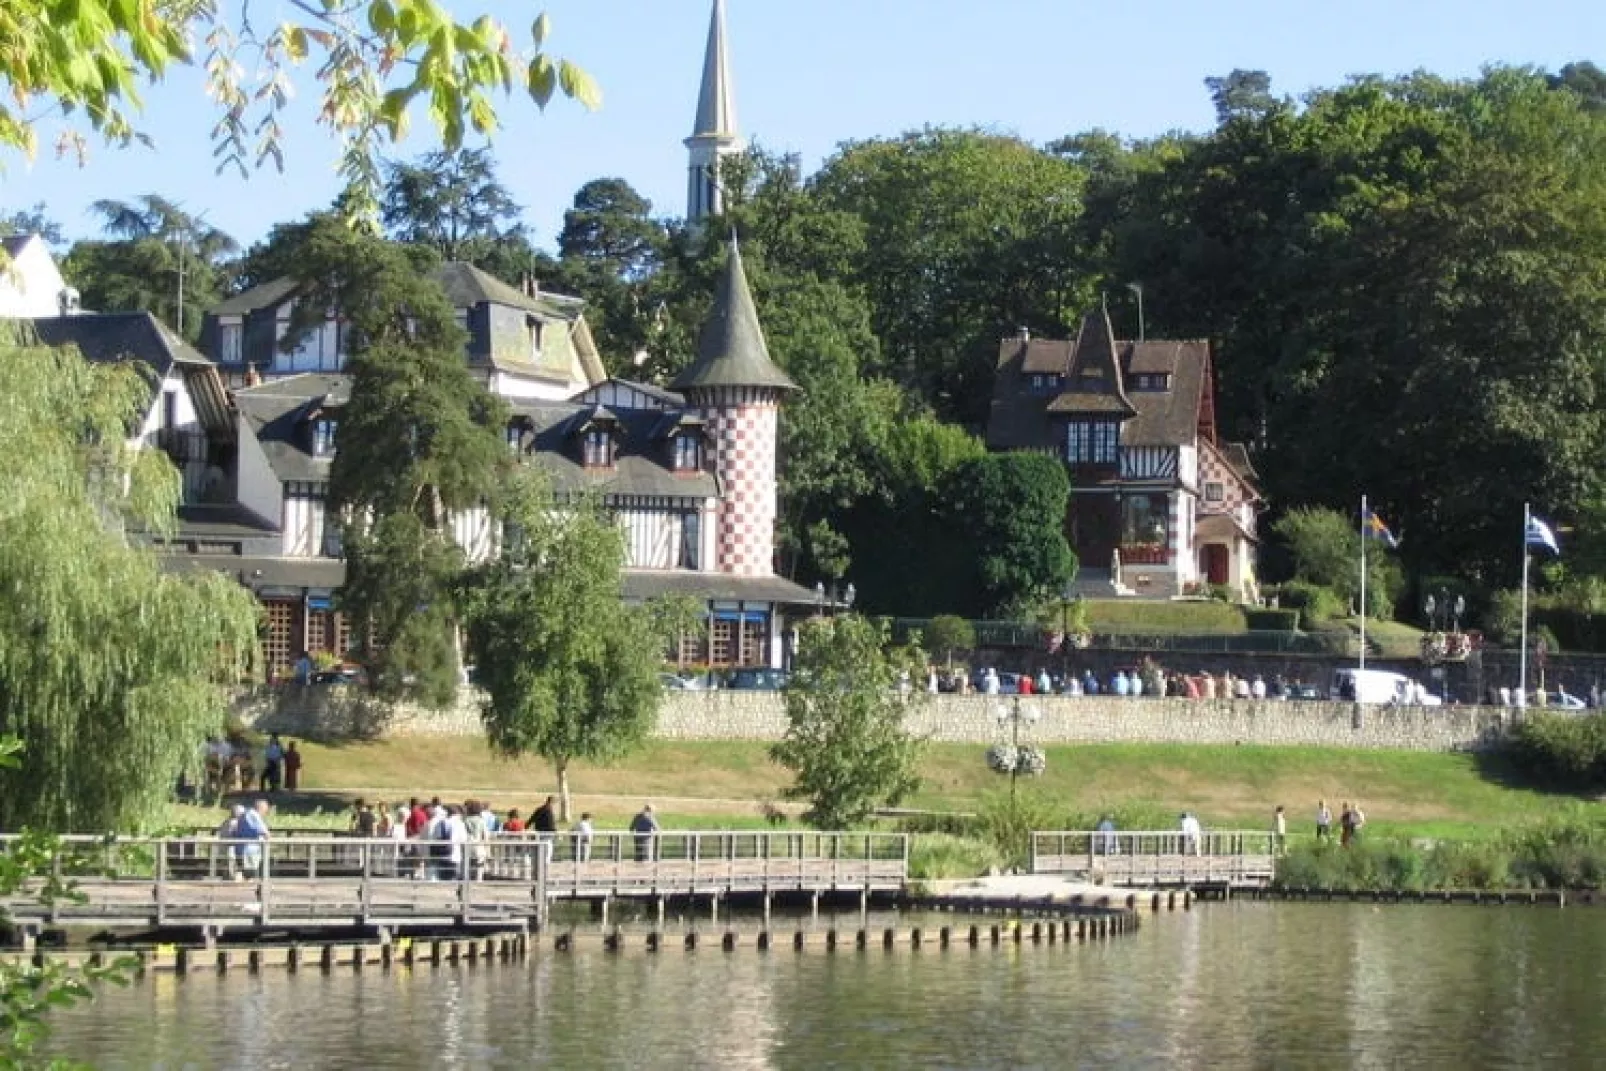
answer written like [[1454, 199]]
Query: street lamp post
[[1459, 608], [1015, 712], [1429, 607], [843, 597]]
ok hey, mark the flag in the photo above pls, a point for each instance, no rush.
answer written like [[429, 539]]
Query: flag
[[1372, 527], [1539, 534]]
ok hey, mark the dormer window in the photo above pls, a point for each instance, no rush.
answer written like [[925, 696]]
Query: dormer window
[[323, 436], [597, 447], [1149, 381], [1045, 383], [688, 453]]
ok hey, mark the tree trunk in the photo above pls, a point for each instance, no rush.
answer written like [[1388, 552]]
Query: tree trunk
[[562, 766]]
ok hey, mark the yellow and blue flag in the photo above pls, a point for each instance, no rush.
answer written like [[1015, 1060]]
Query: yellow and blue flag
[[1372, 527]]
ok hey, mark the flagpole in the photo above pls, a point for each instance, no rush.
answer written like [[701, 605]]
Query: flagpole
[[1363, 581], [1522, 658]]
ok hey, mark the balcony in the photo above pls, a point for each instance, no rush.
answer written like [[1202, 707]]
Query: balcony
[[1145, 554]]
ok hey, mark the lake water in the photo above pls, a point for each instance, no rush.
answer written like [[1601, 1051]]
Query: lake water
[[1235, 985]]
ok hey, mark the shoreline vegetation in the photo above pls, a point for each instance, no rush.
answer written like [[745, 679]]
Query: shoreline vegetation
[[1435, 821]]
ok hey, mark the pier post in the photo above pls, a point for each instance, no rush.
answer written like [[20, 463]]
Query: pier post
[[814, 908], [660, 908], [766, 909]]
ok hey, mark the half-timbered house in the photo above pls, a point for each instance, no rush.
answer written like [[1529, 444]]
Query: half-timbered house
[[1160, 506]]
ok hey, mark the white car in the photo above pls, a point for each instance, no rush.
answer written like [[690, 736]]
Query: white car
[[1559, 700]]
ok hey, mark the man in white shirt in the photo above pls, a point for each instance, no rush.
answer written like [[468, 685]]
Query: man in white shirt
[[1257, 689]]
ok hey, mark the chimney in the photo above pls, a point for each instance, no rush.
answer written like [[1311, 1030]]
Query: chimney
[[67, 301]]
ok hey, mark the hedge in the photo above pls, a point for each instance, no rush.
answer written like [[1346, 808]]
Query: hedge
[[1272, 620]]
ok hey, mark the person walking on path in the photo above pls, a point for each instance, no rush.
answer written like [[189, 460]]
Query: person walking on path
[[1324, 821], [1346, 825], [292, 768], [1279, 831], [645, 827]]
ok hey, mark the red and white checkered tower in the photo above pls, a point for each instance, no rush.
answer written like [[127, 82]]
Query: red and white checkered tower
[[739, 391]]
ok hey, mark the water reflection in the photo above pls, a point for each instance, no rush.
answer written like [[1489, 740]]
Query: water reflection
[[1291, 986]]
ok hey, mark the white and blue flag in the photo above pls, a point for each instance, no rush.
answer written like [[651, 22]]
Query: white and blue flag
[[1540, 534]]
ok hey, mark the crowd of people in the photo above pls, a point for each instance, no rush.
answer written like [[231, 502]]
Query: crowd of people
[[1148, 679], [229, 766], [442, 841]]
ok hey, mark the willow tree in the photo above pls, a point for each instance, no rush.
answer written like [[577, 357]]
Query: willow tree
[[110, 668], [570, 671]]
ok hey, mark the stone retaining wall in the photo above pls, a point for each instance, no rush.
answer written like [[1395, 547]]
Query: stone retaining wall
[[337, 712]]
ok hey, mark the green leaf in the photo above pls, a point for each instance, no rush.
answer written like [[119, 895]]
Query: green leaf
[[542, 80], [580, 86], [540, 28]]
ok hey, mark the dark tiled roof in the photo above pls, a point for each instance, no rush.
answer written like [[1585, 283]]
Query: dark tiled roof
[[1237, 456], [258, 573], [1017, 419], [731, 351], [221, 521], [112, 337], [266, 295], [465, 286], [1221, 526], [13, 243], [1154, 357], [643, 584], [1170, 417], [1045, 355], [275, 409], [1081, 402], [1021, 419], [1095, 366], [641, 464]]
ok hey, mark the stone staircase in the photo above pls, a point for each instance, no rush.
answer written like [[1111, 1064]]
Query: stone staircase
[[1098, 584]]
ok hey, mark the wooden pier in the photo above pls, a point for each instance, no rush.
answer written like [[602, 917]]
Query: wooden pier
[[1230, 859], [301, 883]]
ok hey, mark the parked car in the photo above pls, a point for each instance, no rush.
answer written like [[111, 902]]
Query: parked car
[[758, 680], [674, 682], [1559, 700], [1304, 692], [1380, 686]]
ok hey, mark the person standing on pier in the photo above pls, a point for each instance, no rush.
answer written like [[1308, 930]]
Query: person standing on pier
[[1279, 831], [582, 838], [645, 827], [545, 819]]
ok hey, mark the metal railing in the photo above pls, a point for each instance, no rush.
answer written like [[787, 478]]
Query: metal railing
[[1157, 856]]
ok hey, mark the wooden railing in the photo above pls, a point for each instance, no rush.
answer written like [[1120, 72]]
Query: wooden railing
[[1158, 857], [310, 881]]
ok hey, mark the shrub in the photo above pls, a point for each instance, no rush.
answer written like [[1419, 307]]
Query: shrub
[[1272, 620], [939, 856], [1008, 820], [1565, 751], [1315, 602]]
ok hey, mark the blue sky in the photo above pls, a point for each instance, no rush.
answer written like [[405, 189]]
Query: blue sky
[[810, 76]]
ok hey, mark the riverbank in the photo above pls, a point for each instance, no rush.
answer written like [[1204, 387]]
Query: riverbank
[[702, 784]]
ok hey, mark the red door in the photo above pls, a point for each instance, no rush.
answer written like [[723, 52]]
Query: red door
[[1217, 566]]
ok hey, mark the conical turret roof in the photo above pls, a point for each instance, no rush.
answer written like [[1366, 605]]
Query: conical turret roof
[[731, 351]]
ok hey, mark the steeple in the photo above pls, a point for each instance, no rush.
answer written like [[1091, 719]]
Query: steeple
[[731, 351], [714, 135]]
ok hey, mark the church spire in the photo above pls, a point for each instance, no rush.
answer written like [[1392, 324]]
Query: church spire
[[714, 134], [716, 103]]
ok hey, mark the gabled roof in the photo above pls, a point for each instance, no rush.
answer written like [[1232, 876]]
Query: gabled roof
[[13, 244], [716, 99], [641, 461], [1023, 420], [262, 296], [275, 411], [731, 351], [465, 286], [113, 337]]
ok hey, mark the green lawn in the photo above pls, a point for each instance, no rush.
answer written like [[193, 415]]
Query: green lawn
[[727, 783], [1133, 617]]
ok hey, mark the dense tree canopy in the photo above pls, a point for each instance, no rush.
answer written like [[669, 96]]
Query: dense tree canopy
[[419, 443]]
